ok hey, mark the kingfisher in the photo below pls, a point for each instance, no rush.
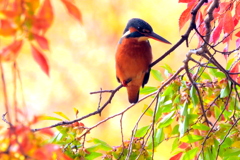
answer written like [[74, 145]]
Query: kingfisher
[[134, 56]]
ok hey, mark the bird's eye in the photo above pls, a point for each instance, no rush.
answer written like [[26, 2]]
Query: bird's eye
[[143, 30]]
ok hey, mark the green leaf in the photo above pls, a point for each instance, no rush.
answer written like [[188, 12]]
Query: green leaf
[[168, 91], [166, 121], [217, 111], [206, 76], [189, 155], [167, 68], [92, 155], [62, 115], [175, 144], [227, 143], [177, 99], [184, 109], [183, 126], [201, 127], [191, 138], [220, 75], [157, 75], [51, 118], [194, 96], [149, 112], [147, 90], [175, 130], [159, 109], [142, 131], [104, 146], [225, 91], [229, 63], [94, 148], [231, 152], [216, 73], [158, 138], [208, 154]]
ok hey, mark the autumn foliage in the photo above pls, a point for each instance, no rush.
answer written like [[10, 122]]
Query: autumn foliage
[[196, 107]]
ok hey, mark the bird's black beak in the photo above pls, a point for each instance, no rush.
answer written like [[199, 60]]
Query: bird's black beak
[[157, 37]]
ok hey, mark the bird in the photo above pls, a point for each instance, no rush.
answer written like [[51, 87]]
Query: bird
[[134, 55]]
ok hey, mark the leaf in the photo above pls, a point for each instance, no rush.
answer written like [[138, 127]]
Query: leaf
[[238, 33], [175, 144], [142, 131], [225, 91], [147, 90], [47, 131], [228, 25], [194, 96], [92, 155], [42, 41], [104, 146], [62, 115], [229, 63], [184, 109], [157, 75], [217, 111], [76, 111], [167, 68], [236, 69], [177, 156], [183, 145], [191, 138], [45, 17], [200, 126], [167, 120], [183, 126], [149, 112], [236, 144], [158, 137], [184, 1], [186, 15], [51, 118], [10, 52], [40, 59], [7, 28], [189, 155], [206, 76], [216, 32], [73, 10]]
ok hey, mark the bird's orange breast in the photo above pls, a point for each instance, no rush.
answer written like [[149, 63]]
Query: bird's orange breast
[[132, 60]]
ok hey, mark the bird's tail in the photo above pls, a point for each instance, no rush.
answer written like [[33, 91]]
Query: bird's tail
[[133, 93]]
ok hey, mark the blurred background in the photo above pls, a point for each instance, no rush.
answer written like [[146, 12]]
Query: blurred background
[[82, 58]]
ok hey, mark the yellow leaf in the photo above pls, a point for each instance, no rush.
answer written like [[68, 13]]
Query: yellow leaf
[[236, 144]]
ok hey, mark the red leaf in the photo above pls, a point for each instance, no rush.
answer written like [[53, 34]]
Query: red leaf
[[40, 59], [177, 156], [184, 1], [45, 17], [237, 34], [47, 131], [73, 10], [7, 28], [237, 10], [183, 145], [236, 69], [10, 52], [228, 24], [186, 14], [216, 32], [42, 41]]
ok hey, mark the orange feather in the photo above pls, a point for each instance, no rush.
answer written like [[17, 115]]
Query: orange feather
[[132, 62]]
